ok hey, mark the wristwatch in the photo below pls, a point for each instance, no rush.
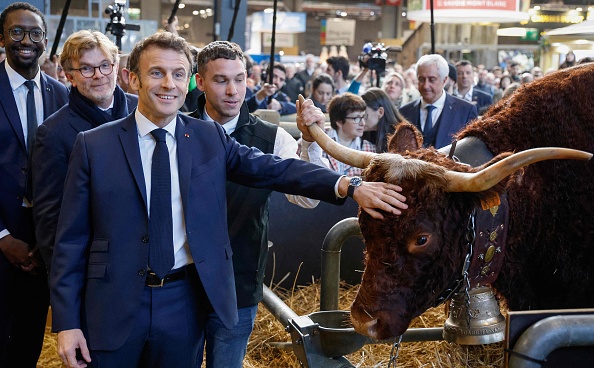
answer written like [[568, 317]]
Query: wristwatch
[[355, 182]]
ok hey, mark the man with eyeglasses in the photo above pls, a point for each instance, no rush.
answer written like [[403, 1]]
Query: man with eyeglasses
[[27, 97], [90, 61]]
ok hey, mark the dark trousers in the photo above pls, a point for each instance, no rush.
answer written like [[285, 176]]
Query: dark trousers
[[24, 302], [168, 331]]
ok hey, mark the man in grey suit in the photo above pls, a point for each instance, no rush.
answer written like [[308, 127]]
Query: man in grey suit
[[437, 114]]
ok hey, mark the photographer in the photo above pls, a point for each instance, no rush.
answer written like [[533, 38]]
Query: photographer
[[355, 86], [371, 58], [280, 101]]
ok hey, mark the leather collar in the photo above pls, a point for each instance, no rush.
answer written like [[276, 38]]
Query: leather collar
[[489, 244]]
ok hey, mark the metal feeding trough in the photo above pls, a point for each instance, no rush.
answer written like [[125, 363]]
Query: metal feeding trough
[[321, 339], [337, 335]]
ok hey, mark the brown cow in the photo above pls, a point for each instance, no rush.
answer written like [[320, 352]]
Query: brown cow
[[548, 261]]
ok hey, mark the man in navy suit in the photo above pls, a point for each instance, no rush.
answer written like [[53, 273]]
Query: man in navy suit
[[27, 97], [438, 115], [129, 292], [91, 63], [465, 87]]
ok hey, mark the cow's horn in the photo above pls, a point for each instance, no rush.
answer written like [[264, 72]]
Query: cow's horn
[[341, 153], [489, 176]]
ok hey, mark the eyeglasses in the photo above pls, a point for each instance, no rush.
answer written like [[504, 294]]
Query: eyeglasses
[[18, 34], [357, 119], [89, 71]]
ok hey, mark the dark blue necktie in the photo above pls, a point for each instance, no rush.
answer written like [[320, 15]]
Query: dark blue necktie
[[31, 116], [428, 121], [161, 258], [31, 130]]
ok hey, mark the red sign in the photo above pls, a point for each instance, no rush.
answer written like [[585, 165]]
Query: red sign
[[472, 4], [393, 2]]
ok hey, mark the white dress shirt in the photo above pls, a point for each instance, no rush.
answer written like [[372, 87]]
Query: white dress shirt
[[181, 249], [285, 146], [435, 114], [20, 91], [467, 96]]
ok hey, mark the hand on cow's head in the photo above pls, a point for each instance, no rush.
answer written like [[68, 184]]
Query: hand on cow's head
[[377, 197]]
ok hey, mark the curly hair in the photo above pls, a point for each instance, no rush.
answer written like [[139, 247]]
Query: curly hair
[[218, 50]]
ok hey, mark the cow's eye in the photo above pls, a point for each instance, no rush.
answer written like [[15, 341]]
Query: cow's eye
[[422, 239]]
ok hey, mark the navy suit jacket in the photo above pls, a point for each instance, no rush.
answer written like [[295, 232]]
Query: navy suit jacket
[[14, 163], [53, 146], [455, 115], [100, 260], [482, 99]]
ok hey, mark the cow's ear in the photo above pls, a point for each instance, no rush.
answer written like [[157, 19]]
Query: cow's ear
[[406, 138]]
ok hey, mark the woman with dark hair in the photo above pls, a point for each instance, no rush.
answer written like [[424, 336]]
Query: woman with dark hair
[[347, 118], [322, 90], [569, 61], [504, 82], [382, 118]]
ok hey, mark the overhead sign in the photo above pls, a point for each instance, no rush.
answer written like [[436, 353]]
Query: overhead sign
[[286, 22], [280, 40], [337, 31], [469, 11], [547, 19]]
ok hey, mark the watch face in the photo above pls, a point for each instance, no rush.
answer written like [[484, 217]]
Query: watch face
[[356, 181]]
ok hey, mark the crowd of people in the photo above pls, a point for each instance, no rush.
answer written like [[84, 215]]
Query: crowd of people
[[144, 226], [135, 188]]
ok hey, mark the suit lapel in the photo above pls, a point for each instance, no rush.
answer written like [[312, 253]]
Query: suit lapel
[[80, 125], [447, 107], [9, 105], [445, 118], [417, 121], [129, 140], [48, 96], [185, 138]]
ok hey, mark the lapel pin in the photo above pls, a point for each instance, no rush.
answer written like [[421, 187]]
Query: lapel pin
[[187, 135]]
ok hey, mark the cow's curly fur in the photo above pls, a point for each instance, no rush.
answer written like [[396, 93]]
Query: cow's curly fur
[[549, 258]]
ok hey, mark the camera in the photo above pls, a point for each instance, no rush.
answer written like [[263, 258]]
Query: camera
[[373, 57], [117, 24], [116, 11]]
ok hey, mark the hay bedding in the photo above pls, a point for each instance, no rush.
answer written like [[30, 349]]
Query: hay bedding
[[304, 300]]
